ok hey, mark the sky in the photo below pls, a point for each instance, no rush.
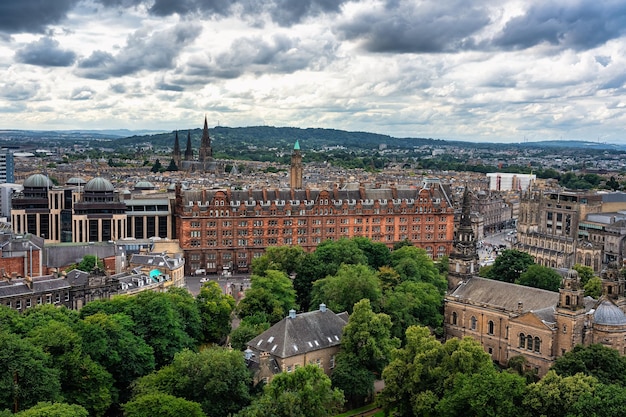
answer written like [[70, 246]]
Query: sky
[[478, 70]]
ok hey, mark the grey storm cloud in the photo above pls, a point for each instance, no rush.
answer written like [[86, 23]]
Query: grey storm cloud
[[45, 52], [19, 91], [143, 51], [424, 27], [283, 12], [579, 25], [279, 55], [32, 16]]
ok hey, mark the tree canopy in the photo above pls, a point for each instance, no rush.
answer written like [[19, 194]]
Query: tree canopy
[[510, 265]]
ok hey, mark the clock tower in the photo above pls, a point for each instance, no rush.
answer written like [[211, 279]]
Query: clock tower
[[464, 258]]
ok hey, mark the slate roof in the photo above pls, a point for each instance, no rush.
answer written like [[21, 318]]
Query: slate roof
[[41, 284], [155, 260], [504, 295], [306, 332]]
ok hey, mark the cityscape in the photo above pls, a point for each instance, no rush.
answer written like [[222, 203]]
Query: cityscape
[[311, 208]]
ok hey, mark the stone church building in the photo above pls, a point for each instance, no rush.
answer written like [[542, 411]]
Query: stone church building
[[511, 320]]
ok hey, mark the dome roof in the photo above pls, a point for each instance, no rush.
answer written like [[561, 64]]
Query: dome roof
[[37, 181], [99, 184], [609, 314], [75, 181], [144, 185]]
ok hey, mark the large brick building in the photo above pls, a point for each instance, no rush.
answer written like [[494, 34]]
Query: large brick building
[[227, 228]]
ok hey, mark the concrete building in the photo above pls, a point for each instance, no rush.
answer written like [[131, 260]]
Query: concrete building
[[500, 181]]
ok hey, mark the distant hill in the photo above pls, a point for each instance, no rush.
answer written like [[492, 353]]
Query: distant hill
[[284, 137], [573, 144]]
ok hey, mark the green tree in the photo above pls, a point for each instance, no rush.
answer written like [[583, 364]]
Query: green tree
[[245, 332], [613, 184], [389, 278], [279, 258], [510, 265], [325, 261], [484, 394], [161, 405], [349, 285], [603, 401], [215, 311], [539, 276], [111, 343], [89, 263], [601, 362], [26, 374], [377, 253], [272, 295], [189, 312], [83, 381], [351, 377], [419, 373], [48, 409], [585, 273], [555, 395], [306, 392], [157, 167], [172, 166], [414, 264], [412, 304], [216, 378], [593, 287], [367, 336]]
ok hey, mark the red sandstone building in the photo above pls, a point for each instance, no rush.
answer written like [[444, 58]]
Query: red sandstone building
[[226, 229]]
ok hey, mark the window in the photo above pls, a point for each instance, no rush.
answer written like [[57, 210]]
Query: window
[[522, 340], [332, 361], [537, 344], [529, 342], [454, 318], [473, 323], [490, 327]]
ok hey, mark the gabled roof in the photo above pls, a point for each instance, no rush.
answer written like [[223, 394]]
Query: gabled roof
[[302, 333], [504, 295]]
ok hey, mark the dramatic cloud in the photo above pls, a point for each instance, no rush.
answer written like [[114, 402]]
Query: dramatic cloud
[[151, 51], [482, 70], [576, 24], [32, 15], [427, 26], [45, 53]]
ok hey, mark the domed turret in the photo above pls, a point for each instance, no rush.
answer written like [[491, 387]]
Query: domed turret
[[99, 184], [37, 181], [608, 313]]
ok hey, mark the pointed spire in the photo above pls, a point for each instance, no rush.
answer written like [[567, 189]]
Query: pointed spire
[[205, 143], [466, 209], [188, 151], [176, 155], [296, 147]]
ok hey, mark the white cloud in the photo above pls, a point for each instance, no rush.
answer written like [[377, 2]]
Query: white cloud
[[397, 67]]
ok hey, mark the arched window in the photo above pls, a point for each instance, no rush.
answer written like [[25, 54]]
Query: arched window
[[473, 322], [537, 344], [522, 340], [454, 317], [567, 300], [529, 342], [491, 327]]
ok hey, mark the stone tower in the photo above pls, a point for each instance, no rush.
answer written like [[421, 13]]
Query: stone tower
[[189, 150], [176, 155], [206, 152], [464, 260], [295, 172], [570, 314]]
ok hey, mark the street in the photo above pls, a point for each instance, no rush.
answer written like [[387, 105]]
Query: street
[[489, 247], [233, 284]]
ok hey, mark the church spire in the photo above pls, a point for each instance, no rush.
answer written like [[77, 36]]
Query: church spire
[[189, 150], [205, 145], [464, 259], [176, 155]]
